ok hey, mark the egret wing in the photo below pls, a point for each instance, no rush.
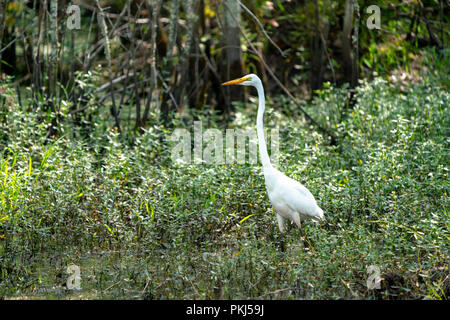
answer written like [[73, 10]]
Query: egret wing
[[299, 198], [300, 188]]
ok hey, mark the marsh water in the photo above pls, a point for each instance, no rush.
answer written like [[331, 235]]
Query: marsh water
[[93, 275], [163, 273]]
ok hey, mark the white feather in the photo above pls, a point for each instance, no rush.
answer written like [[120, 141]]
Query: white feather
[[290, 199]]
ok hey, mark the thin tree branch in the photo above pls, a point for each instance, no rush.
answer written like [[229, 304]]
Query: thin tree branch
[[262, 28], [108, 58], [167, 89]]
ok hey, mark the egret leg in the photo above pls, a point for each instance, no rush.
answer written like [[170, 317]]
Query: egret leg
[[281, 227], [280, 223], [298, 222], [283, 247]]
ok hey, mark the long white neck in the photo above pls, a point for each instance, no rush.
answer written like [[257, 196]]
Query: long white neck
[[263, 155]]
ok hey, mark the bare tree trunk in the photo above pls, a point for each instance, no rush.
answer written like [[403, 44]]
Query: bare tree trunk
[[132, 52], [104, 31], [2, 28], [7, 45], [347, 54], [53, 68], [233, 53], [53, 61], [173, 28], [355, 68], [37, 65], [185, 64], [193, 76], [166, 106], [317, 52], [153, 72]]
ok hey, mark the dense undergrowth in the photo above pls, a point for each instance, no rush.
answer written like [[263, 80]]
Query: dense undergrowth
[[140, 226]]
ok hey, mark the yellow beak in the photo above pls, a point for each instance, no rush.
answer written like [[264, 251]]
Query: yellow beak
[[236, 81]]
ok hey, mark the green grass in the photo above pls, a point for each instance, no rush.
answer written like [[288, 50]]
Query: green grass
[[140, 226]]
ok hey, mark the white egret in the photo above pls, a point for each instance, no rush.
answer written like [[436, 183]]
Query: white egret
[[290, 199]]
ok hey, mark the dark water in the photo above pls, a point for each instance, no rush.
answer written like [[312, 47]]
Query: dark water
[[93, 275]]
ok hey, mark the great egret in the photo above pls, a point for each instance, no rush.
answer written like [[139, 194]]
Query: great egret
[[290, 199]]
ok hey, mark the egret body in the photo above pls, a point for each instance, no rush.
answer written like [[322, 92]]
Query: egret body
[[290, 199]]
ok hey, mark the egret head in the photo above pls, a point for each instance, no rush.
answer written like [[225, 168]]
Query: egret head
[[248, 80]]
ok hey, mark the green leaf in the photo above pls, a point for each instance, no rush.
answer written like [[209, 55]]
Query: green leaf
[[280, 6]]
